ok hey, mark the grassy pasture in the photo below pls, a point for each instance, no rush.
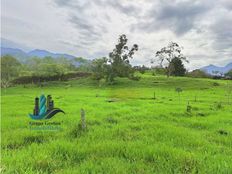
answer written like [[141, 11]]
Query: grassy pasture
[[128, 130]]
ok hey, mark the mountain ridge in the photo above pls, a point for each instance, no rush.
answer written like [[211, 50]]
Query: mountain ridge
[[22, 55], [217, 70]]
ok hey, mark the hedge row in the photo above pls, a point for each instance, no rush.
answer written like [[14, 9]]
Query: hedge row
[[39, 79]]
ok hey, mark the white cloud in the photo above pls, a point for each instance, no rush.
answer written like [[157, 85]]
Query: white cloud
[[91, 28]]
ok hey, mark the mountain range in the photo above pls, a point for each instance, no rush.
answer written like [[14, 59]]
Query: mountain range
[[217, 70], [22, 55]]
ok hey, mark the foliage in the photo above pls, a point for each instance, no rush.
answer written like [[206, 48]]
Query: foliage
[[167, 54], [178, 90], [178, 67], [38, 79], [136, 78], [37, 70], [229, 74], [99, 68], [119, 64], [82, 64], [10, 68], [49, 66], [80, 60], [158, 70]]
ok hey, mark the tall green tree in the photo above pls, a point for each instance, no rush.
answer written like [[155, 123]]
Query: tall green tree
[[168, 53], [178, 67], [10, 69], [119, 60]]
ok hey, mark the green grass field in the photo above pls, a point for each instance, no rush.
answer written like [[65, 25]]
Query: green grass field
[[134, 133]]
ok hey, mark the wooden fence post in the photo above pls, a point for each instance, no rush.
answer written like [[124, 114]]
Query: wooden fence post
[[83, 123]]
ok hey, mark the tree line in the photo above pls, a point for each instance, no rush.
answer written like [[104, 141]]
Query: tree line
[[171, 63], [117, 64], [37, 70]]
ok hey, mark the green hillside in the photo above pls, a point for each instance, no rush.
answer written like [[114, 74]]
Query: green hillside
[[140, 127]]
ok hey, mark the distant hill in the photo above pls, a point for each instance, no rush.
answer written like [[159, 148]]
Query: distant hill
[[211, 69], [17, 53], [21, 55], [44, 53], [22, 52]]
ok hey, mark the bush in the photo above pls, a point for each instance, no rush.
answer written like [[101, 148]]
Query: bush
[[216, 84], [159, 71], [135, 78]]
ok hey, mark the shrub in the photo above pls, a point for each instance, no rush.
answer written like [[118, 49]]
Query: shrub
[[159, 71], [135, 78], [216, 84]]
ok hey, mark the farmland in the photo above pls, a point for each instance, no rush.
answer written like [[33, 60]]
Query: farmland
[[143, 126]]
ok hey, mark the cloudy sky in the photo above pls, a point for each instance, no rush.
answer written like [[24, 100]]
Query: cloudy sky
[[91, 28]]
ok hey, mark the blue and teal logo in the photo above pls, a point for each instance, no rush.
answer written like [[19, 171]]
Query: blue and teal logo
[[44, 108]]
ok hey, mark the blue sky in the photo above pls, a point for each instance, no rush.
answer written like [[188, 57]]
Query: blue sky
[[91, 28]]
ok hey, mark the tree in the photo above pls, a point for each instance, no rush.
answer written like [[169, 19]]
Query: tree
[[229, 74], [67, 64], [167, 54], [99, 68], [48, 67], [33, 66], [51, 69], [178, 67], [10, 68], [119, 64], [82, 64]]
